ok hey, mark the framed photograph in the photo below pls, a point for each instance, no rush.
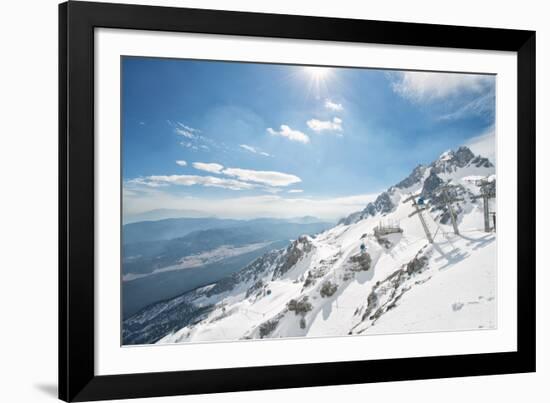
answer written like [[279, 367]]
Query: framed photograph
[[256, 201]]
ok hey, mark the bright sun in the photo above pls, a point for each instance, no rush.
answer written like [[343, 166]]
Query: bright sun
[[318, 79], [317, 73]]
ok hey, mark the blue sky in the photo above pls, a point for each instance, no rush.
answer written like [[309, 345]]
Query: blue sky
[[247, 140]]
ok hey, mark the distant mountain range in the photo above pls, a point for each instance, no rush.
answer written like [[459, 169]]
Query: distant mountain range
[[170, 228], [162, 214]]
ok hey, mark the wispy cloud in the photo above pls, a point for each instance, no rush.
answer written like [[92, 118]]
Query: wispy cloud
[[419, 86], [184, 133], [333, 106], [291, 134], [270, 178], [480, 106], [193, 138], [183, 129], [268, 181], [295, 191], [208, 167], [181, 163], [254, 150], [188, 144], [188, 128], [144, 181], [325, 125], [191, 180]]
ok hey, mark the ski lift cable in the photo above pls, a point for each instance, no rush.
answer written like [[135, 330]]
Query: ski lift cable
[[439, 228]]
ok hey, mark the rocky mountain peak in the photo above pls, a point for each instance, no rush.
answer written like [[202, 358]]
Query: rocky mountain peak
[[448, 162], [481, 162], [463, 155], [432, 182], [416, 176], [293, 253], [383, 204]]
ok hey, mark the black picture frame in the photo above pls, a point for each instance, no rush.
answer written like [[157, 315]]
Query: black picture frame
[[77, 379]]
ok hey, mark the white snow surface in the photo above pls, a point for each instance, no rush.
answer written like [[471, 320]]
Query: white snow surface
[[454, 290]]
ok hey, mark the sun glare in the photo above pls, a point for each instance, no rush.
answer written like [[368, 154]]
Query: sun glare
[[317, 73], [318, 78]]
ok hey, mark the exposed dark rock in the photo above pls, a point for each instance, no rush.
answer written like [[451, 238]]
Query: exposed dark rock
[[416, 176], [293, 253], [302, 323], [417, 264], [462, 156], [267, 328], [481, 162], [361, 262], [431, 183], [310, 280], [352, 218], [348, 276], [382, 204], [372, 303], [453, 160], [301, 306], [328, 289], [255, 287]]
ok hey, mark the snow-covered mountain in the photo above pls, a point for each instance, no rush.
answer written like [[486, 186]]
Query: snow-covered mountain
[[326, 286]]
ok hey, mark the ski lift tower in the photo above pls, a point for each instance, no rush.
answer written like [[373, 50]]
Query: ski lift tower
[[418, 210], [486, 192], [449, 200]]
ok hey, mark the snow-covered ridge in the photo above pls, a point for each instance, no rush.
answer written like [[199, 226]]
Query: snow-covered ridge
[[451, 165], [328, 286]]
